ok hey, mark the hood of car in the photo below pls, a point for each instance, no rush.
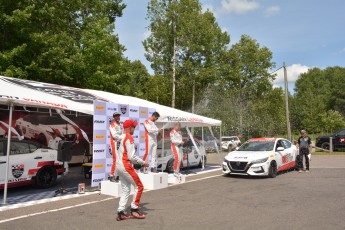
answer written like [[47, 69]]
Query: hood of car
[[247, 155]]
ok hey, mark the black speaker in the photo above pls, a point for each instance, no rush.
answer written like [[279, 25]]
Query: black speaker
[[65, 151]]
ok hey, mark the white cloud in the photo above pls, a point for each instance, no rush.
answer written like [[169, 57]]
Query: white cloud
[[273, 10], [239, 6], [342, 51], [292, 71]]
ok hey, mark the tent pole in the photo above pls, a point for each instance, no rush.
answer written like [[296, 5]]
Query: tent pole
[[162, 147], [202, 138], [220, 141], [9, 134]]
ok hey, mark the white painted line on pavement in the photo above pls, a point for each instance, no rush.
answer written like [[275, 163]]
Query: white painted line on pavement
[[206, 171], [29, 203], [55, 210], [196, 180]]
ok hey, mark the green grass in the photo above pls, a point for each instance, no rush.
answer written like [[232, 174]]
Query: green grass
[[328, 153]]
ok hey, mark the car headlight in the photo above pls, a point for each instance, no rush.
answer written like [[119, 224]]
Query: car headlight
[[263, 160]]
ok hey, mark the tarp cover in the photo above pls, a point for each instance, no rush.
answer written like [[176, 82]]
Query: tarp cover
[[31, 93]]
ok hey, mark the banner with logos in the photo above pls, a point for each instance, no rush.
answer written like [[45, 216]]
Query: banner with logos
[[103, 116]]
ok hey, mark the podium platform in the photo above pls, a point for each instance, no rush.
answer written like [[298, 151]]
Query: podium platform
[[176, 180], [112, 189], [153, 181]]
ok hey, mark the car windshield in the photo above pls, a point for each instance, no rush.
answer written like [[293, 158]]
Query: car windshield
[[257, 146]]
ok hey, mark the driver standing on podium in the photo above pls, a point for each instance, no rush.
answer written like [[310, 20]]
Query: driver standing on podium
[[176, 144], [151, 132], [115, 133]]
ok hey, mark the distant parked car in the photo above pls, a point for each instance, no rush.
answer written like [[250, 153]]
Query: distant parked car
[[191, 157], [211, 144], [30, 163], [338, 139], [230, 142]]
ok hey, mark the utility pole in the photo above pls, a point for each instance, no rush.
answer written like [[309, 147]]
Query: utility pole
[[287, 104]]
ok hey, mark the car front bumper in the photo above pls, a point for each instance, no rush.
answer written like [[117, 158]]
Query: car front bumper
[[245, 168]]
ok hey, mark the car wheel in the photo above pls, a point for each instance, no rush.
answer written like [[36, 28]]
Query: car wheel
[[46, 177], [200, 162], [42, 139], [272, 170], [325, 146], [170, 166]]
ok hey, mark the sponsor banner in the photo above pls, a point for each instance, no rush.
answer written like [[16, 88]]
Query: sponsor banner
[[102, 158], [99, 151], [142, 138], [99, 108], [109, 153], [124, 110], [97, 178], [111, 109], [100, 122], [143, 113], [136, 136], [151, 111], [134, 112], [98, 166], [99, 137], [109, 163], [141, 149], [141, 124], [108, 136]]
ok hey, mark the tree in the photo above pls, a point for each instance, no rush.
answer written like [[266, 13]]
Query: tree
[[245, 73], [319, 98], [69, 43], [184, 42]]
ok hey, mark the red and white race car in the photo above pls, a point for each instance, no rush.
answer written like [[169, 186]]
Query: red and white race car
[[29, 163], [261, 157]]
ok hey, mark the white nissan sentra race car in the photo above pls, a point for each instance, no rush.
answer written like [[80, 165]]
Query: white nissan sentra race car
[[261, 157]]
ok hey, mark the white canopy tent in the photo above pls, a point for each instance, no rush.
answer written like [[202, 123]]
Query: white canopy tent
[[19, 92]]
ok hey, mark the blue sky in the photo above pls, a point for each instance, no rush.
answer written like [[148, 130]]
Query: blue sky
[[301, 33]]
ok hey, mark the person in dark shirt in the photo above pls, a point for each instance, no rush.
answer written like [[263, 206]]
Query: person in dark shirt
[[304, 147]]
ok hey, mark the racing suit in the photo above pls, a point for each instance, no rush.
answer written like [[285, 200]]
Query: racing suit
[[151, 132], [128, 176], [176, 142], [115, 133]]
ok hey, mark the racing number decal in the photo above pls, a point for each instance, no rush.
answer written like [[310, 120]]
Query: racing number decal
[[288, 158]]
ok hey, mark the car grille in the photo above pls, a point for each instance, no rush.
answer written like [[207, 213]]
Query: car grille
[[238, 165]]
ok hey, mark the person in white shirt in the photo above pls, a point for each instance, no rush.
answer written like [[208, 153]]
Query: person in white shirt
[[176, 144], [115, 133], [151, 132], [54, 142]]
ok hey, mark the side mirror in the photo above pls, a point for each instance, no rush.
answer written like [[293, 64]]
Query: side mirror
[[280, 149]]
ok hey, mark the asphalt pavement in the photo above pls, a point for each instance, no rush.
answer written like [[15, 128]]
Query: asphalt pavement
[[292, 200]]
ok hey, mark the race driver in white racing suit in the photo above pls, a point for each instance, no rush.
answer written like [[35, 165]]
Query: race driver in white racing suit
[[128, 176], [151, 132], [115, 133], [176, 144]]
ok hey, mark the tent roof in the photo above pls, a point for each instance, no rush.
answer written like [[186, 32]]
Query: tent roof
[[38, 94]]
